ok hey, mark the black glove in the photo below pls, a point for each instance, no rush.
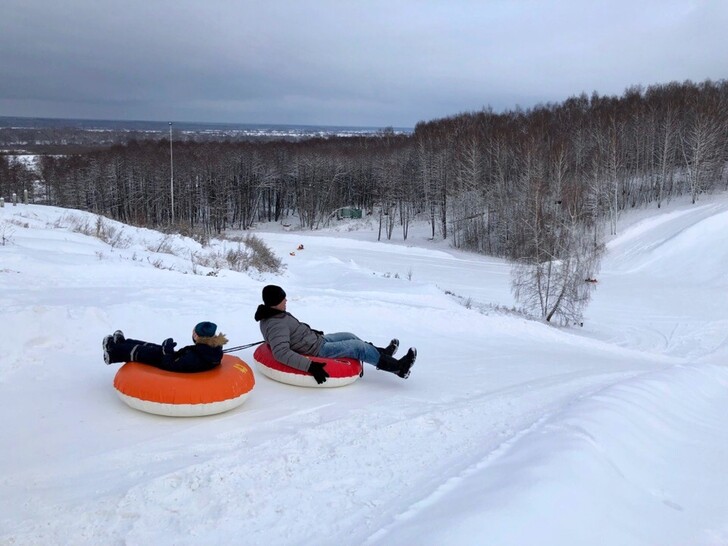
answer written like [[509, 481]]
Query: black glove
[[316, 369], [168, 346]]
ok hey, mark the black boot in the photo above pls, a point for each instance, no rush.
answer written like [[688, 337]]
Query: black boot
[[390, 349], [115, 352], [400, 367], [106, 346], [406, 363]]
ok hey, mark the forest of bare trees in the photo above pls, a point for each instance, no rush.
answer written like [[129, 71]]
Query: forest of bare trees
[[520, 184]]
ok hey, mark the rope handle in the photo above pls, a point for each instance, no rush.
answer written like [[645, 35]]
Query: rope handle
[[241, 347]]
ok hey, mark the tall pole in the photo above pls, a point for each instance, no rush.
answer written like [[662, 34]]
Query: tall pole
[[171, 171]]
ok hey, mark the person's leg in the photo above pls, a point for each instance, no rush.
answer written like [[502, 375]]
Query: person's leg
[[350, 347], [146, 353], [390, 350], [132, 350], [340, 336]]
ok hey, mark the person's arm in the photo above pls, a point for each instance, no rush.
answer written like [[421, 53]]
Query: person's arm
[[278, 337], [168, 352]]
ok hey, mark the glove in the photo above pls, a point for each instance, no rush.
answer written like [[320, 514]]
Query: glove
[[168, 346], [316, 369]]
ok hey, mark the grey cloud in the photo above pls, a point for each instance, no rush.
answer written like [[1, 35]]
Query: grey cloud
[[339, 62]]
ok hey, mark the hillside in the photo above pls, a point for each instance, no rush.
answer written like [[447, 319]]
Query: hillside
[[508, 431]]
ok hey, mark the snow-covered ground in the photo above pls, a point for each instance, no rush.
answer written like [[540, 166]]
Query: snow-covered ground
[[508, 432]]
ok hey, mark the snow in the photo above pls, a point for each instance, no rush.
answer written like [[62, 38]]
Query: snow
[[509, 431]]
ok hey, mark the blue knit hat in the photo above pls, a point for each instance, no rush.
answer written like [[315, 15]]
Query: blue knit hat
[[206, 329]]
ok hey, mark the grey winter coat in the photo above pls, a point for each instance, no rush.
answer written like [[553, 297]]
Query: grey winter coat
[[288, 338]]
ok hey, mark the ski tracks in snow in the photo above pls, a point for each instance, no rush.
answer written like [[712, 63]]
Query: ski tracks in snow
[[676, 485], [374, 465]]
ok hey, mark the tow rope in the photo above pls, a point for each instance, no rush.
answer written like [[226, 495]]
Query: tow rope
[[241, 347]]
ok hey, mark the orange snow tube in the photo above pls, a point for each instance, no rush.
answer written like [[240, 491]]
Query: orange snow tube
[[150, 389]]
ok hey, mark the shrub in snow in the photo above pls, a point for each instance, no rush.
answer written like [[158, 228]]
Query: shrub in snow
[[251, 253], [261, 257]]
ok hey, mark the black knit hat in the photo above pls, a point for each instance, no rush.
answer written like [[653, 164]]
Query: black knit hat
[[206, 329], [273, 295]]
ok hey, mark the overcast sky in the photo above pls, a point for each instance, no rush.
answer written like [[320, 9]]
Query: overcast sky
[[342, 62]]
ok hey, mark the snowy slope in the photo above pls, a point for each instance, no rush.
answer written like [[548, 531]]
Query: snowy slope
[[507, 432]]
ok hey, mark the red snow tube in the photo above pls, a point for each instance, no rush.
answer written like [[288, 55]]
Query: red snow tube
[[150, 389], [342, 371]]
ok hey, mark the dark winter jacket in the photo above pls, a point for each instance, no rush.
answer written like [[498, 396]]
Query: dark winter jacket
[[204, 355], [288, 338]]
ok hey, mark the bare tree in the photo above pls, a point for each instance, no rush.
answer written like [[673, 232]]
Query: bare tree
[[700, 147], [559, 284]]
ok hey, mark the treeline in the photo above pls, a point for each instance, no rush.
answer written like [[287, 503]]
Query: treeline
[[497, 183]]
